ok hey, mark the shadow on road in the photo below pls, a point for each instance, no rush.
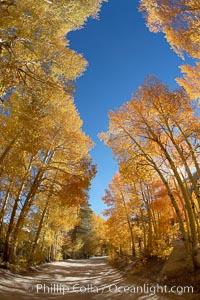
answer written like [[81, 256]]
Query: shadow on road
[[72, 279]]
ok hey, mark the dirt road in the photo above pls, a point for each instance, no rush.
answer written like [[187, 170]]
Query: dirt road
[[74, 279]]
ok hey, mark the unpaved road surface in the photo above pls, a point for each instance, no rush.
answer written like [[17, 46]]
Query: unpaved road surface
[[75, 279]]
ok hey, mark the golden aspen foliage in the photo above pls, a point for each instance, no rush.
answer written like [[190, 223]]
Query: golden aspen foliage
[[45, 166], [191, 80], [158, 131], [98, 240], [33, 48], [179, 20]]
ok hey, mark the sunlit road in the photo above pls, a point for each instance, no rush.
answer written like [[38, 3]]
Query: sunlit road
[[72, 279]]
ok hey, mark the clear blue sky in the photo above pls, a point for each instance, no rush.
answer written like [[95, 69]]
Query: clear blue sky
[[121, 52]]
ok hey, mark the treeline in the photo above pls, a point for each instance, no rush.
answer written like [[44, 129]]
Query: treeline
[[88, 238], [155, 138], [45, 166]]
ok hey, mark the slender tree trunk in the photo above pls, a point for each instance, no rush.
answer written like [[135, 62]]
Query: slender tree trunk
[[184, 160], [144, 231], [11, 226], [191, 149], [183, 189], [3, 209], [129, 226], [171, 196], [34, 247], [27, 204], [24, 211], [7, 150]]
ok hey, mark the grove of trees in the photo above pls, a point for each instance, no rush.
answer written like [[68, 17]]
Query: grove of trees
[[155, 196], [45, 166]]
